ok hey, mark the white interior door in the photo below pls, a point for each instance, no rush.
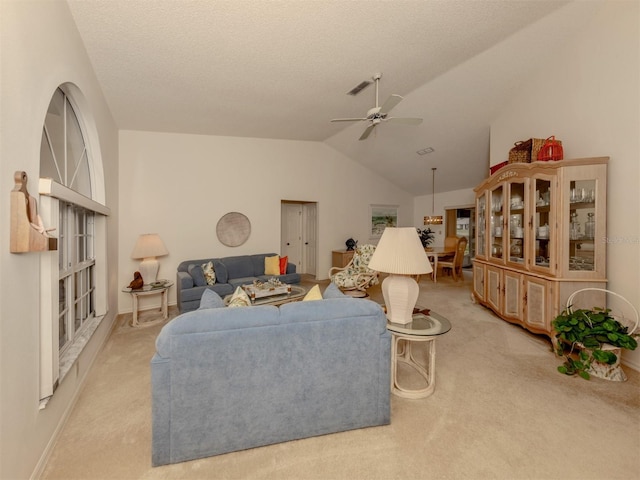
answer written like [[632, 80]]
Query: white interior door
[[309, 229], [291, 234]]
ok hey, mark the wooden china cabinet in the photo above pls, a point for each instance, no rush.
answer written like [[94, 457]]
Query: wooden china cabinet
[[541, 235]]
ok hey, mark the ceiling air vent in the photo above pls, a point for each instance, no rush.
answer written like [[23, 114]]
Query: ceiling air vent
[[358, 88]]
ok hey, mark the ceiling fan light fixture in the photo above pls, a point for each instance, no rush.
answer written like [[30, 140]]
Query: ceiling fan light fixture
[[379, 113]]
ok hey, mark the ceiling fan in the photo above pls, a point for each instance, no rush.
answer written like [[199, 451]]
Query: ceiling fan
[[379, 114]]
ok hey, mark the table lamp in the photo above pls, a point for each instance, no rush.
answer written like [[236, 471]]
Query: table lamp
[[148, 247], [400, 254]]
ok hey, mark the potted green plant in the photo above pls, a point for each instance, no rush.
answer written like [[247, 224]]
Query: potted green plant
[[426, 236], [581, 336]]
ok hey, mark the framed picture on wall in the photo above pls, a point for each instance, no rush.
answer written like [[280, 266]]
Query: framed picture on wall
[[382, 216]]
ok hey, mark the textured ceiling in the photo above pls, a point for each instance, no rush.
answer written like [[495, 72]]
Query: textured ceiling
[[281, 69]]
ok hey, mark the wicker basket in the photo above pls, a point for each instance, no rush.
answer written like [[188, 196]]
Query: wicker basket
[[526, 150]]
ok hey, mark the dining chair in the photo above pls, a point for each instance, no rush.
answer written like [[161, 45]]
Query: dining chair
[[455, 265]]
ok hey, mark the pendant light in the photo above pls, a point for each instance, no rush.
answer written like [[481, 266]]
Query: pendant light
[[433, 219]]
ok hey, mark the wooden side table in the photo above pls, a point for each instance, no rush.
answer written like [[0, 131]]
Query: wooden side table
[[149, 290], [341, 258]]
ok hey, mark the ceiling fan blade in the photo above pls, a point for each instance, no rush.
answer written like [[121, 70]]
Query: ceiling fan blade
[[367, 131], [347, 119], [391, 102], [407, 121]]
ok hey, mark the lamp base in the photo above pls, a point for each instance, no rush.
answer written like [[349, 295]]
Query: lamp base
[[400, 293], [149, 270]]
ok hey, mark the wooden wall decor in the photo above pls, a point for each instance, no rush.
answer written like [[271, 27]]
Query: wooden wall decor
[[28, 234]]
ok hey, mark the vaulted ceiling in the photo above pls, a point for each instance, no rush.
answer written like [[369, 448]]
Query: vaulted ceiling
[[281, 69]]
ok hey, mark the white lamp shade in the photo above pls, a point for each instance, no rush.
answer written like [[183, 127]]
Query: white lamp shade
[[401, 254], [400, 251], [148, 247]]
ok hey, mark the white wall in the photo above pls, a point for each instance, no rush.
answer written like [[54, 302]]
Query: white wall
[[180, 185], [424, 205], [41, 49], [588, 95]]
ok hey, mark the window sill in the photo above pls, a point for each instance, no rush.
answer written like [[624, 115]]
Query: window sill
[[69, 357]]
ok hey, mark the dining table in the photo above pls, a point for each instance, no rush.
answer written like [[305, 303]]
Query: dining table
[[434, 253]]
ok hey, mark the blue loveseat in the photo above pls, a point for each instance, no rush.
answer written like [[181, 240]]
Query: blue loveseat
[[231, 272], [228, 379]]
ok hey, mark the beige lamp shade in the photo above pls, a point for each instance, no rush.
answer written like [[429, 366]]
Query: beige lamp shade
[[148, 247], [400, 254], [400, 251]]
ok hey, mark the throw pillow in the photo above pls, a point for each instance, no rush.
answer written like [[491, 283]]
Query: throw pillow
[[209, 273], [313, 294], [210, 299], [332, 291], [283, 265], [239, 299], [197, 274], [272, 265]]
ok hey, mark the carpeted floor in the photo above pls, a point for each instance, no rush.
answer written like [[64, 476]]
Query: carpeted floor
[[500, 411]]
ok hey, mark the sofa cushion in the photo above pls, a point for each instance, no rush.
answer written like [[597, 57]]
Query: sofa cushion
[[313, 294], [239, 299], [257, 261], [211, 299], [332, 291], [195, 293], [272, 265], [209, 273], [222, 275], [283, 264], [238, 267], [197, 274]]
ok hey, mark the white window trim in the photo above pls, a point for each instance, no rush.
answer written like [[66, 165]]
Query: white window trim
[[53, 367]]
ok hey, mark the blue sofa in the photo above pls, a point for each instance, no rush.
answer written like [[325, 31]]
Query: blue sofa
[[231, 272], [228, 379]]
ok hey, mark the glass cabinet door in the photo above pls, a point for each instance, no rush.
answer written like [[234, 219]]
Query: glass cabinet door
[[481, 225], [518, 222], [543, 223], [582, 225], [496, 224]]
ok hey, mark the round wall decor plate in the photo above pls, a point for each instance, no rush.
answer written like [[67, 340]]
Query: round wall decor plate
[[233, 229]]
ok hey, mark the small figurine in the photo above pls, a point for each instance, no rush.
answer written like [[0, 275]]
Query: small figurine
[[351, 244], [137, 281]]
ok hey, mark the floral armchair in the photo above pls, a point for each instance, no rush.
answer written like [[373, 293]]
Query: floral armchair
[[356, 276]]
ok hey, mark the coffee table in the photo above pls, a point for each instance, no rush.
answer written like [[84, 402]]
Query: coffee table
[[297, 293], [423, 328]]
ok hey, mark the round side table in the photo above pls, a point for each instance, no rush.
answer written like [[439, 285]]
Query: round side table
[[423, 328], [148, 290]]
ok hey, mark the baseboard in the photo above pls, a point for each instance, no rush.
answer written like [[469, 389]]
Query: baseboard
[[632, 365]]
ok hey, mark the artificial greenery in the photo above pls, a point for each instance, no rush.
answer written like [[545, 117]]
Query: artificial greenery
[[588, 330], [426, 236]]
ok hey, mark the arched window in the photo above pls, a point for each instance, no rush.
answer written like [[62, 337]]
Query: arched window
[[73, 284]]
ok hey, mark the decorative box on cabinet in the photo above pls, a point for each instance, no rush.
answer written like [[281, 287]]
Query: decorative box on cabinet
[[340, 258], [539, 236]]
